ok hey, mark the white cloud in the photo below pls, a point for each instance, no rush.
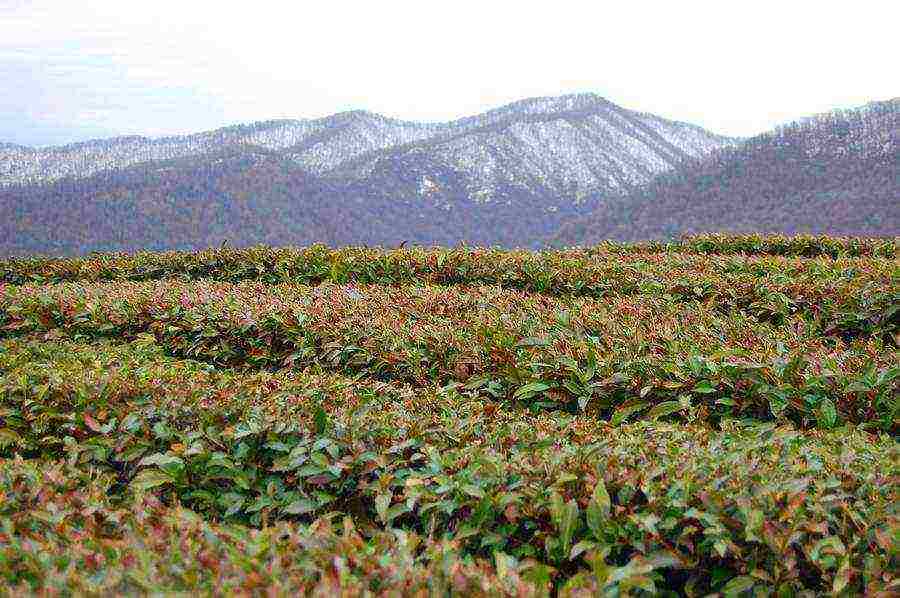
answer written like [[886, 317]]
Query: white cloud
[[736, 68]]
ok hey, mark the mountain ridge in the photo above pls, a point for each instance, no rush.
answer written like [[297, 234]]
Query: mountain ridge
[[509, 176], [575, 168], [830, 173], [345, 115], [350, 134], [622, 134]]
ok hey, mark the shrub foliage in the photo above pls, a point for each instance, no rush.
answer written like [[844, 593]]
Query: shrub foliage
[[716, 417]]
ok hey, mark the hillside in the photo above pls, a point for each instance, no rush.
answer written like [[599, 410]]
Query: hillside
[[510, 176], [166, 205], [245, 197], [831, 174], [716, 416], [566, 148], [321, 143]]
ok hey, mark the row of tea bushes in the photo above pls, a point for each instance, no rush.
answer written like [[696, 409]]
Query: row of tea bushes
[[636, 351], [792, 246], [857, 297], [566, 271], [659, 506], [63, 535]]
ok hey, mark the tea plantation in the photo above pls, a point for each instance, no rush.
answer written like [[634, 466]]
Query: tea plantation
[[717, 415]]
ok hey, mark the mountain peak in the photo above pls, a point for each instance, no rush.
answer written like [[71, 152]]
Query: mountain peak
[[554, 104], [833, 173], [573, 101], [325, 144], [354, 116]]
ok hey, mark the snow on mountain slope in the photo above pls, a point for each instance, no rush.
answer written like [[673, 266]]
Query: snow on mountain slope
[[320, 144], [510, 176], [834, 174], [325, 144], [567, 147]]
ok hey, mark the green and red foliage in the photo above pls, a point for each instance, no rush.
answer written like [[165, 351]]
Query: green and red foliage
[[790, 246], [577, 270], [412, 433]]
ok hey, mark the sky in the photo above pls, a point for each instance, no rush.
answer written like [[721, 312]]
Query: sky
[[84, 69]]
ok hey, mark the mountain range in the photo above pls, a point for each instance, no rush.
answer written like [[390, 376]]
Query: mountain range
[[835, 174], [569, 169]]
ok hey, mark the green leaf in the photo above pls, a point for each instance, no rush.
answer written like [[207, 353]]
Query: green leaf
[[504, 564], [858, 386], [625, 411], [533, 341], [738, 585], [755, 520], [580, 548], [663, 559], [300, 507], [477, 383], [705, 387], [309, 470], [161, 459], [598, 509], [842, 577], [583, 402], [9, 437], [565, 478], [321, 420], [396, 511], [150, 478], [721, 547], [382, 502], [133, 452], [171, 464], [539, 574], [826, 414], [565, 516], [259, 504], [663, 409], [530, 390], [473, 490]]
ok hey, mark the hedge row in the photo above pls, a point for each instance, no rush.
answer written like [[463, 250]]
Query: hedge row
[[592, 272], [857, 296], [785, 245], [547, 496], [53, 545], [557, 353]]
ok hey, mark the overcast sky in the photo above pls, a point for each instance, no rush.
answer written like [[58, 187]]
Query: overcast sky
[[78, 69]]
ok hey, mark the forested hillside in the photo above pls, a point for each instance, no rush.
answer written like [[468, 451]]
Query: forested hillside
[[511, 176], [831, 174]]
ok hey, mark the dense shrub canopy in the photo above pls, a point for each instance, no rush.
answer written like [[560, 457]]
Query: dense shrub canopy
[[714, 415]]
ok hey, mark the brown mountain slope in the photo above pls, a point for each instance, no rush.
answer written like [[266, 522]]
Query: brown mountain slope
[[831, 174]]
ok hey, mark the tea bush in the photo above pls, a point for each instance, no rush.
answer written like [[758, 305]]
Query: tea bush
[[397, 430]]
